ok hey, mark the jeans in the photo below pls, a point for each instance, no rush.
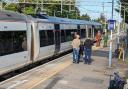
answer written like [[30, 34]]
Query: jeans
[[105, 43], [88, 53], [75, 55]]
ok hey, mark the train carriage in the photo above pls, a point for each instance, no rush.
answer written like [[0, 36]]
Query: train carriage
[[27, 39], [15, 38]]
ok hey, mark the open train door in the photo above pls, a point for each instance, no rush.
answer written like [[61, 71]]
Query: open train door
[[57, 38]]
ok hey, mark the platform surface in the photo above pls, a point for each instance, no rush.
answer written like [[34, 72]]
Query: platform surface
[[63, 74], [82, 76]]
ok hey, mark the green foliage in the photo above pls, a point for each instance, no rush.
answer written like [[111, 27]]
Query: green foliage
[[12, 7], [29, 10], [124, 4], [51, 9], [85, 17]]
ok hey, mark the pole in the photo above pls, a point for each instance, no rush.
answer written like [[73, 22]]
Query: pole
[[118, 41], [103, 7], [70, 6], [1, 5], [103, 20], [124, 17], [110, 51], [76, 14], [54, 13], [42, 6], [93, 32], [124, 30], [61, 6]]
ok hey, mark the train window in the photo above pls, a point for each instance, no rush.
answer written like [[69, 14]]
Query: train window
[[43, 38], [12, 42], [50, 37], [63, 36], [89, 32], [79, 32], [83, 33], [69, 36]]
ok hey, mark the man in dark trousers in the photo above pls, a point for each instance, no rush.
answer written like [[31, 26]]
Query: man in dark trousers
[[88, 50]]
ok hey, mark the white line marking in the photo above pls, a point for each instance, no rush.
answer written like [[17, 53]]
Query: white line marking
[[16, 84]]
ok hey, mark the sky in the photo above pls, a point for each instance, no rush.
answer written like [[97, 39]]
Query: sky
[[95, 7]]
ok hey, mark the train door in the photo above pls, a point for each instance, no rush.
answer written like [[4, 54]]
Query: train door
[[57, 38], [78, 30]]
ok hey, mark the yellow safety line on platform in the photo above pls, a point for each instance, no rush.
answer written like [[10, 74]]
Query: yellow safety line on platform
[[95, 48], [55, 71]]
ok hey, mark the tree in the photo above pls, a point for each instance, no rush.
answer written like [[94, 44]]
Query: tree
[[101, 19], [26, 8], [70, 11], [85, 17], [55, 9], [124, 4]]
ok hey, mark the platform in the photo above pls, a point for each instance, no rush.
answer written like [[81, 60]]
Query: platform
[[63, 74], [81, 76]]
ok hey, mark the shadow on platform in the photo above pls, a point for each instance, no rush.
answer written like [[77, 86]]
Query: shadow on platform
[[101, 53]]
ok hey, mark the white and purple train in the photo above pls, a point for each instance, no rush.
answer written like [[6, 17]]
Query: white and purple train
[[26, 39]]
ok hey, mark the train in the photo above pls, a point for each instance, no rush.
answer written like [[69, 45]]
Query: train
[[25, 39]]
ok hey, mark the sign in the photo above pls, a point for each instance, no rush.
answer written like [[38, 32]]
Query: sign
[[111, 24]]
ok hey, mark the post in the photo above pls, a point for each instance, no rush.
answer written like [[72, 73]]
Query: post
[[124, 17], [54, 13], [37, 6], [110, 51], [67, 15], [70, 6], [76, 14], [61, 6], [124, 29], [118, 31], [42, 5], [1, 5], [91, 32], [104, 19], [86, 31]]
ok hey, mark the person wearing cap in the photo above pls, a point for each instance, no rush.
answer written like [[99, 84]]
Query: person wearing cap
[[75, 44]]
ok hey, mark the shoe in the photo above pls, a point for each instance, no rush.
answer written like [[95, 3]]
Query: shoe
[[85, 62], [74, 62], [89, 63], [77, 62]]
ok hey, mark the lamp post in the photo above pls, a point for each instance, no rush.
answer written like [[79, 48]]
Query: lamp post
[[110, 50]]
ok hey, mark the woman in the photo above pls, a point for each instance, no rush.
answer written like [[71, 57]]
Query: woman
[[98, 39]]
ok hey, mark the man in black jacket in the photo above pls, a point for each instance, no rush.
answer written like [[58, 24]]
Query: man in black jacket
[[88, 50]]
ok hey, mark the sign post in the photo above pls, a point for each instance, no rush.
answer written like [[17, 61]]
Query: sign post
[[111, 27]]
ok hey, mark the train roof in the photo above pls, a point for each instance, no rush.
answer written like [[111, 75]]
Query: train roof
[[65, 20], [10, 15]]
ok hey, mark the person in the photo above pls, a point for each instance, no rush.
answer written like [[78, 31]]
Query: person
[[105, 39], [75, 44], [88, 50], [122, 49], [81, 51], [98, 39], [75, 34], [24, 44]]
